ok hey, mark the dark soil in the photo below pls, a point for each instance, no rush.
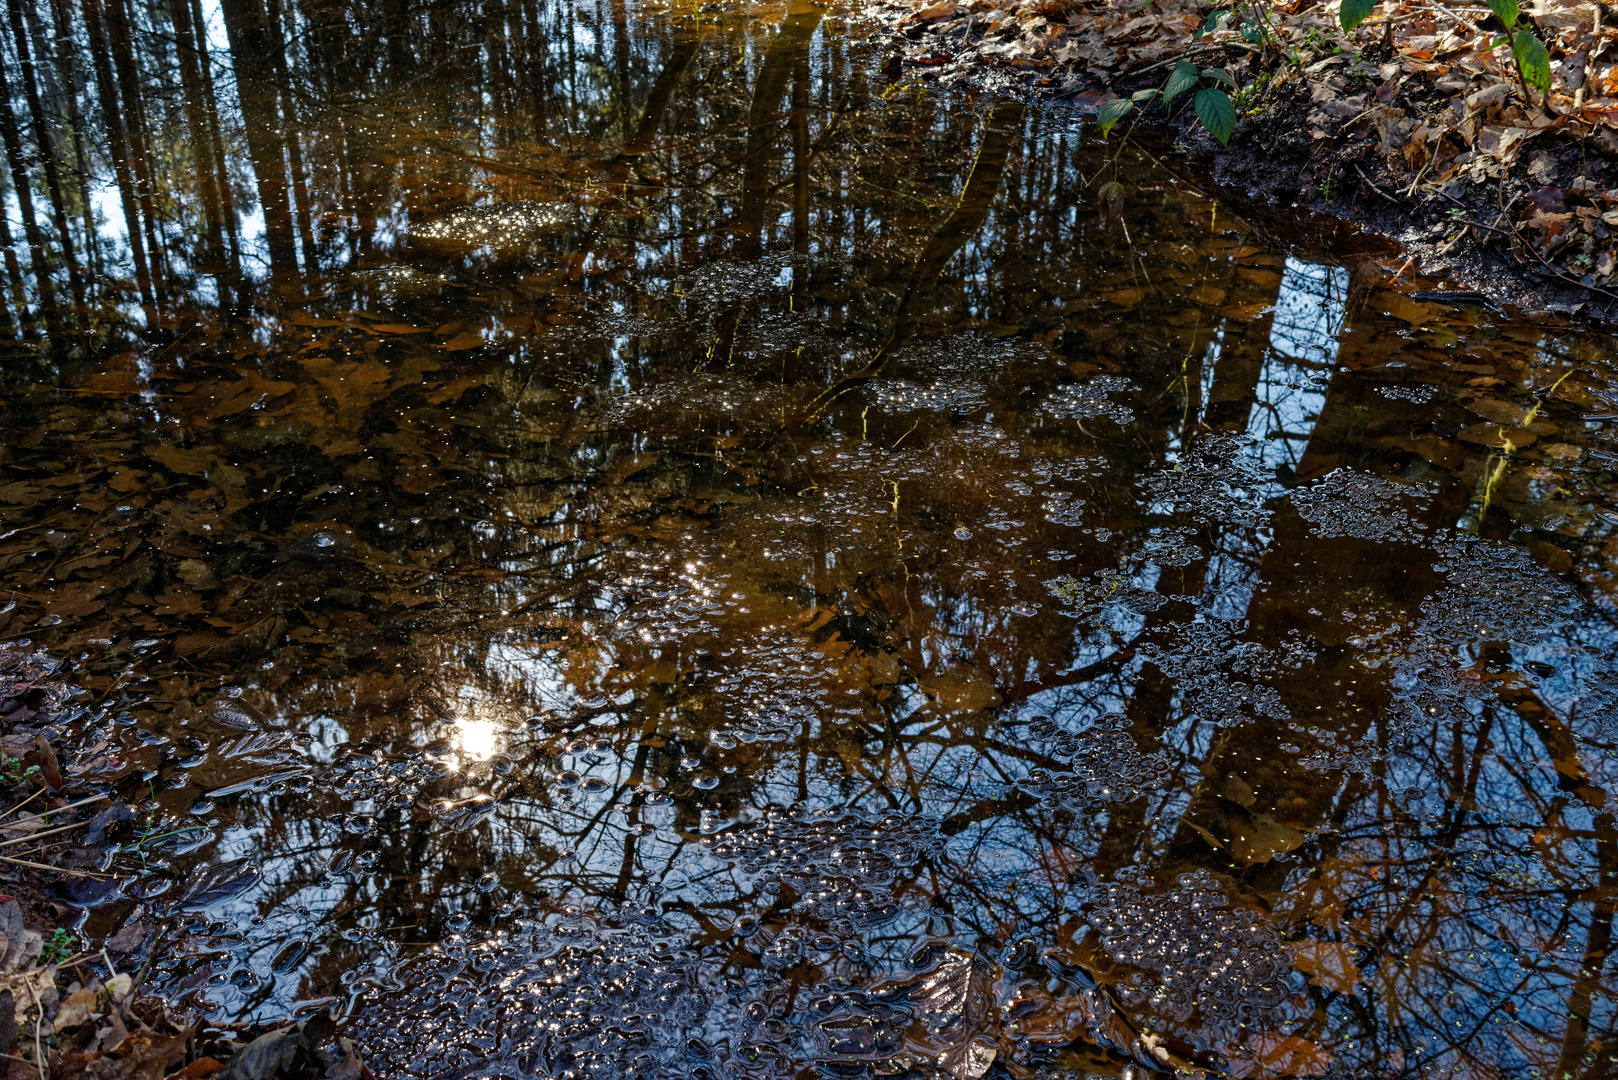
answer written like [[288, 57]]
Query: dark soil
[[1293, 185]]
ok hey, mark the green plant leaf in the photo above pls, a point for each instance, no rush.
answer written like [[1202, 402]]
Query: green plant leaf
[[1140, 96], [1505, 10], [1112, 112], [1355, 12], [1220, 75], [1182, 78], [1533, 60], [1213, 22], [1217, 113]]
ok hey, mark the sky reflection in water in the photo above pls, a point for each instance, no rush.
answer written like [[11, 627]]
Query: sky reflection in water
[[712, 563]]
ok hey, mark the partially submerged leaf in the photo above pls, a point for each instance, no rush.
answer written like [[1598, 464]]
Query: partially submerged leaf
[[219, 882], [1112, 112]]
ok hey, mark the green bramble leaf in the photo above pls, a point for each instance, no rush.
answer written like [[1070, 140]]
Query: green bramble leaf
[[1216, 21], [1220, 75], [1533, 61], [1182, 78], [1112, 112], [1355, 12], [1505, 10], [1217, 113]]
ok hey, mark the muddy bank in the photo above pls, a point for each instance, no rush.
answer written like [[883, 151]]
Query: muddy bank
[[1474, 183], [75, 1003]]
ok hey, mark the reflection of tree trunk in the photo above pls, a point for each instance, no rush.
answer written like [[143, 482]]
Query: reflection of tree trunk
[[1244, 346], [22, 184], [534, 54], [971, 211], [780, 59], [216, 141], [67, 61], [196, 119], [799, 122], [291, 134], [131, 91], [662, 92], [19, 291], [46, 150], [250, 51], [1254, 793], [620, 63], [1237, 373], [1587, 976], [112, 116]]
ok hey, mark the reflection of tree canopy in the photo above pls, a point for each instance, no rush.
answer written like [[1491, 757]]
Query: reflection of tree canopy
[[728, 566]]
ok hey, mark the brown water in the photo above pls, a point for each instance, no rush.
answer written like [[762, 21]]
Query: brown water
[[622, 541]]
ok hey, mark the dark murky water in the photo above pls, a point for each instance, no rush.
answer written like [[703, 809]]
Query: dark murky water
[[621, 542]]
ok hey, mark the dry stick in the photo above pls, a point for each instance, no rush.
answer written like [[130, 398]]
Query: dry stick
[[1216, 47], [1372, 184], [24, 803], [58, 810], [53, 869], [31, 837], [39, 1053]]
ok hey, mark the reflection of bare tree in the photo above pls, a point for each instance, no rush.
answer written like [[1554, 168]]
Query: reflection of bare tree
[[1100, 666]]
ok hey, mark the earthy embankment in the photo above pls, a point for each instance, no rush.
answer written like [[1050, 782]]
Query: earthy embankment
[[1415, 125], [72, 828]]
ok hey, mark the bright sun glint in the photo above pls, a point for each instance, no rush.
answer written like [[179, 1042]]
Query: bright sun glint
[[477, 739]]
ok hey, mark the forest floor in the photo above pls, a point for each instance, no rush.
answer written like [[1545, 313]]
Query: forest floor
[[70, 1010], [1416, 124]]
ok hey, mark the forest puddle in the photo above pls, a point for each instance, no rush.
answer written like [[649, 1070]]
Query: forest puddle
[[644, 547]]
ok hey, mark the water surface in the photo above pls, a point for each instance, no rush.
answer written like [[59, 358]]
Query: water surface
[[610, 540]]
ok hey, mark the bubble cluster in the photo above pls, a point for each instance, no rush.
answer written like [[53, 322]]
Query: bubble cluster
[[1087, 401], [1106, 765], [1195, 954], [1347, 503], [497, 226], [569, 996], [1108, 589], [950, 393], [681, 404], [1218, 482], [1204, 663], [842, 865]]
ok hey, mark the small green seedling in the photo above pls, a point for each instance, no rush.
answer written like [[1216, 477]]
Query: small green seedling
[[1212, 102]]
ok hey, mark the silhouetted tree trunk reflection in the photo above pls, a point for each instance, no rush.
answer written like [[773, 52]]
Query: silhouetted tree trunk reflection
[[46, 150], [117, 137], [252, 49], [22, 186]]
